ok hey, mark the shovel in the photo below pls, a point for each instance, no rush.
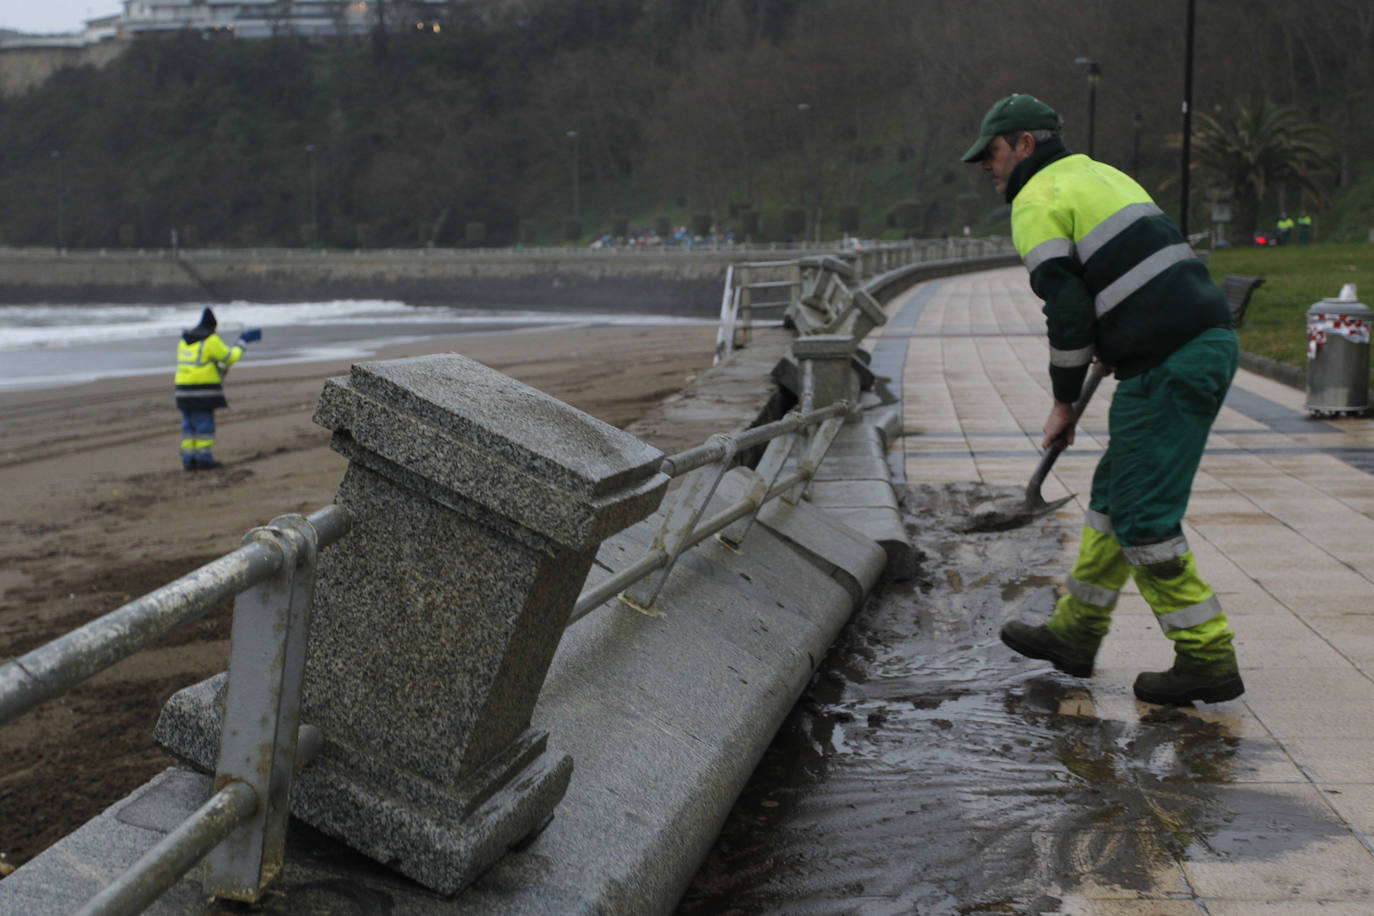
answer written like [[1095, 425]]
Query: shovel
[[1035, 503], [1013, 513]]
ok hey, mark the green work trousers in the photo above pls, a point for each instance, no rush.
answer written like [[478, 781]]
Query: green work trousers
[[1159, 423]]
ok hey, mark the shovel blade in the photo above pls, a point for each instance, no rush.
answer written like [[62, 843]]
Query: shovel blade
[[1036, 505]]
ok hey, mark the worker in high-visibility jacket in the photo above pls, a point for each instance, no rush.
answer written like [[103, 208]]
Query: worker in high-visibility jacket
[[1123, 286], [202, 360], [1285, 227]]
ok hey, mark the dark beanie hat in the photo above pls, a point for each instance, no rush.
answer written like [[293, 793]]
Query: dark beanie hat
[[207, 321]]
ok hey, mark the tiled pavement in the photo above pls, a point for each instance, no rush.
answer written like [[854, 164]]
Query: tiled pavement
[[1282, 524]]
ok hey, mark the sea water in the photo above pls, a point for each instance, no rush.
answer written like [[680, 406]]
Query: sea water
[[44, 346]]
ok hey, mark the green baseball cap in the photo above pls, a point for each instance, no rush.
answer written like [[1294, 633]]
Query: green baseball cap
[[1015, 112]]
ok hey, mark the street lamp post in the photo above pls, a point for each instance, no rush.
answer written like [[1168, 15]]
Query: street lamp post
[[802, 109], [1094, 70], [314, 207], [1187, 117], [61, 204], [577, 203], [1135, 147]]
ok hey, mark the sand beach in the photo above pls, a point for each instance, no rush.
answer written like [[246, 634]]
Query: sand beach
[[95, 510]]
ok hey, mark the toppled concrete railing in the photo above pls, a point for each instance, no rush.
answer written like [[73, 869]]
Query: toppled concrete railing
[[665, 715], [478, 506], [832, 302], [855, 483]]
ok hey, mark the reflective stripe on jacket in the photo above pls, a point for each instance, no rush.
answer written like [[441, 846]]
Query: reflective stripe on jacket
[[200, 369], [1117, 276]]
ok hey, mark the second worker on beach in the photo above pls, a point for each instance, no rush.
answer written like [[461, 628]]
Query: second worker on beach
[[1121, 285], [202, 361]]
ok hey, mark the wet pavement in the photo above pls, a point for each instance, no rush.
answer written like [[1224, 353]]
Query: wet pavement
[[928, 769]]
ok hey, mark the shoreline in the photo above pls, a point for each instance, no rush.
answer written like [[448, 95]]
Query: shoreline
[[43, 353]]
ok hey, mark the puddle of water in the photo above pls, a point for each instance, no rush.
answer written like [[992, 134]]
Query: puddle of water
[[928, 769]]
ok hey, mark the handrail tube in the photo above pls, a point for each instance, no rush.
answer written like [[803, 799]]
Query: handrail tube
[[603, 590], [680, 519], [723, 519], [68, 660], [57, 666], [690, 459], [774, 458], [165, 863], [163, 866], [592, 598], [330, 522]]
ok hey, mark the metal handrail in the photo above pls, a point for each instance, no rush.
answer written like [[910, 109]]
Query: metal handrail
[[242, 828], [737, 305], [57, 666], [162, 866], [682, 529]]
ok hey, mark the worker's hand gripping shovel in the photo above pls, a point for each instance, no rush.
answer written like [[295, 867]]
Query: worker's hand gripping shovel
[[1035, 503]]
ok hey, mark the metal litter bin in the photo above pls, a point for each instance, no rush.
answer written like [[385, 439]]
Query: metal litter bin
[[1338, 355]]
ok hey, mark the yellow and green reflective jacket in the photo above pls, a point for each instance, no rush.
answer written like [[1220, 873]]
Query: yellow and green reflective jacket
[[1117, 276], [200, 369]]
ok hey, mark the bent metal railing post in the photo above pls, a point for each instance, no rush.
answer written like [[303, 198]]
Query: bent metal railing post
[[259, 749], [676, 533], [242, 827], [680, 520]]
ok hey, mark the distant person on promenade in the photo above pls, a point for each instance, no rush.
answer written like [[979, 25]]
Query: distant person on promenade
[[202, 361], [1121, 285]]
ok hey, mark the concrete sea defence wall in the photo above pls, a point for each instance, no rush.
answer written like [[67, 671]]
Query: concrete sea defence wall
[[685, 283], [663, 714]]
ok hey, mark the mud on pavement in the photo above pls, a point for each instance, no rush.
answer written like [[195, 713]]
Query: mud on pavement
[[928, 769]]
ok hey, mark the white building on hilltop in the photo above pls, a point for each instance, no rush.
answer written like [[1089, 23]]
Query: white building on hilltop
[[263, 18]]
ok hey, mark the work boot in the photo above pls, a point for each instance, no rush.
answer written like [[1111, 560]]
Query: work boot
[[1042, 643], [206, 464], [1183, 684]]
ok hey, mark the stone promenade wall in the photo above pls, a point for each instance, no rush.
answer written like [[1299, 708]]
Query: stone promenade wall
[[673, 283]]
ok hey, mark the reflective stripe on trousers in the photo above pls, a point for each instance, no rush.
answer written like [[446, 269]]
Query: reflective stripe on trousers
[[1185, 607]]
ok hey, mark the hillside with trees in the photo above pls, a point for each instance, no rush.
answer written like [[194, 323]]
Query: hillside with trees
[[500, 123]]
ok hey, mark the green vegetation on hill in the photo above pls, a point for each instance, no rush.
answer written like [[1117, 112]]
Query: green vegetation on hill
[[762, 117]]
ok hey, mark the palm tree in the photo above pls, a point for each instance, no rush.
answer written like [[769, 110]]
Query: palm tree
[[1246, 152]]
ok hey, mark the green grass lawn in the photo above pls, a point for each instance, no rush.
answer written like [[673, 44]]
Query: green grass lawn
[[1295, 277]]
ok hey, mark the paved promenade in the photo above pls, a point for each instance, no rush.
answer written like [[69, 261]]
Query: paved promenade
[[1282, 523]]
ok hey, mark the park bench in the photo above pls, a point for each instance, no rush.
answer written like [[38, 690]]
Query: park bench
[[1238, 290]]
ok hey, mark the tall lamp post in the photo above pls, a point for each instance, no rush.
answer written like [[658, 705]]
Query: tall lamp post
[[1094, 70], [314, 208], [577, 203], [1135, 147], [802, 109], [61, 203], [1187, 117]]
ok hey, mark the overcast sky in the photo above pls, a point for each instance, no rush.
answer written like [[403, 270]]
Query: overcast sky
[[53, 15]]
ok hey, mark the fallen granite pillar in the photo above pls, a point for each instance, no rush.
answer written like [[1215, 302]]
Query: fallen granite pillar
[[478, 505]]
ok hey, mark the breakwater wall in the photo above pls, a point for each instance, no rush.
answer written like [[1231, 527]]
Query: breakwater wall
[[686, 283]]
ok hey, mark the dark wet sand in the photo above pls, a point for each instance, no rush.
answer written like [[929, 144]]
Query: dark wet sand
[[95, 511]]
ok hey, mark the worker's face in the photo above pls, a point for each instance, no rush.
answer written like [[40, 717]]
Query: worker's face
[[1001, 157]]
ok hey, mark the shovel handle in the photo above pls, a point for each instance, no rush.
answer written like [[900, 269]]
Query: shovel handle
[[1058, 445]]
